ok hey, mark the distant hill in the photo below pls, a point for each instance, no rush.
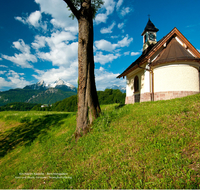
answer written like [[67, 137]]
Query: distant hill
[[16, 95], [19, 106], [39, 93], [109, 96], [50, 96]]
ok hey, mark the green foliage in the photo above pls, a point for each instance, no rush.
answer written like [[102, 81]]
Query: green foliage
[[68, 104], [39, 107], [18, 106], [109, 96], [150, 145], [49, 96], [16, 95], [95, 4]]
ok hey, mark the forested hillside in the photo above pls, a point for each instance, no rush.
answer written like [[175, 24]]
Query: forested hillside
[[48, 96], [18, 106], [109, 96], [16, 95]]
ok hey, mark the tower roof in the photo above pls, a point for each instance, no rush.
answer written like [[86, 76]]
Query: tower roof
[[150, 27]]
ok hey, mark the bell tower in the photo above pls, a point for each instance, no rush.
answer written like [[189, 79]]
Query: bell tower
[[149, 35]]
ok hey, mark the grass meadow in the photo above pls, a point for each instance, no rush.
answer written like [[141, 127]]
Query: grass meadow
[[145, 145]]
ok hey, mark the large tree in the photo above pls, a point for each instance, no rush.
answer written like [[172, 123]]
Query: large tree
[[88, 104]]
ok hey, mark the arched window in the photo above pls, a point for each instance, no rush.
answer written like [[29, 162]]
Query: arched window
[[136, 84]]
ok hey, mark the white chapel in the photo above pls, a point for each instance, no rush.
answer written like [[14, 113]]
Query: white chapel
[[166, 69]]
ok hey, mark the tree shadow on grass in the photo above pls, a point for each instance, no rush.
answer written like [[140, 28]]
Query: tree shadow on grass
[[119, 106], [27, 132]]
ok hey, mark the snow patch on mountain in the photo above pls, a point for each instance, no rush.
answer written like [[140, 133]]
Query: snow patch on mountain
[[59, 84], [115, 86]]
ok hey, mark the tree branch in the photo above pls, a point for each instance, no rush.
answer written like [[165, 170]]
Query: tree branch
[[73, 8]]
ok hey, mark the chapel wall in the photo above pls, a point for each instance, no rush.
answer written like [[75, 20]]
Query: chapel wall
[[176, 77], [130, 83]]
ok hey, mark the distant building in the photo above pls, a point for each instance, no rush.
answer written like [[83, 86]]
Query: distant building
[[44, 105], [166, 69]]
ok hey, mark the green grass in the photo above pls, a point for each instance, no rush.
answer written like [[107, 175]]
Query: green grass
[[146, 145]]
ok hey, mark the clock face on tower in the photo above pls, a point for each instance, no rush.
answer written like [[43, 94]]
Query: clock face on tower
[[152, 36]]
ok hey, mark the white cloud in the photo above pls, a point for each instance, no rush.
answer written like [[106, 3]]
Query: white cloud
[[2, 72], [13, 80], [135, 53], [1, 59], [61, 51], [21, 46], [4, 66], [127, 53], [39, 42], [103, 59], [120, 25], [114, 37], [61, 48], [198, 50], [101, 18], [16, 81], [125, 11], [109, 5], [4, 83], [119, 3], [69, 74], [23, 20], [63, 55], [55, 40], [108, 8], [105, 79], [34, 19], [108, 46], [60, 14], [23, 59], [125, 41], [109, 29], [105, 45]]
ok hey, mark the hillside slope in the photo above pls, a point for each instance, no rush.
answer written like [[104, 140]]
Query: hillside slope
[[16, 95], [48, 96], [147, 145], [109, 96]]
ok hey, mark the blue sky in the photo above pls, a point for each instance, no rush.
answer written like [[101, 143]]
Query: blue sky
[[38, 40]]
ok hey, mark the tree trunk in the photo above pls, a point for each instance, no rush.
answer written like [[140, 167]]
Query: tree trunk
[[88, 104]]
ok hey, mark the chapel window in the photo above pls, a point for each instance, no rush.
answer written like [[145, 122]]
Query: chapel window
[[145, 38], [136, 84]]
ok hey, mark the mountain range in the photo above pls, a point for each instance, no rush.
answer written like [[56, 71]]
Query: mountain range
[[43, 93], [39, 93], [59, 84], [121, 88]]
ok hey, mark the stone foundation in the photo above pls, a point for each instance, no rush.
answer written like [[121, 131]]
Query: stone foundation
[[138, 98], [172, 94], [158, 96]]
